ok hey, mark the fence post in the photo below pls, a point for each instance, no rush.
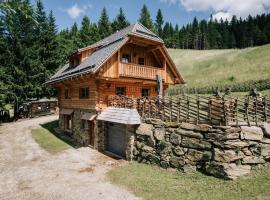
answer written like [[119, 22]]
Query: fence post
[[198, 109], [225, 112], [171, 107], [178, 109], [265, 109], [236, 111], [255, 110], [187, 116]]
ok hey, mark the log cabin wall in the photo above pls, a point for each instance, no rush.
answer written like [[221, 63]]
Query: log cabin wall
[[74, 100]]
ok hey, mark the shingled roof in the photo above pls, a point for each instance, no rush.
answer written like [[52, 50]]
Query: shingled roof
[[104, 49]]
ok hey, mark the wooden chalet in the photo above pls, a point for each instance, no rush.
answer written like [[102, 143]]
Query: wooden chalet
[[132, 62]]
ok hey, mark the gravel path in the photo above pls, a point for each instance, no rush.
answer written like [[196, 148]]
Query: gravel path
[[29, 172]]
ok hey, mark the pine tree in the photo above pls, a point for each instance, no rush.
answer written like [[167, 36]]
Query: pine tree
[[104, 25], [159, 23], [85, 32], [120, 21], [145, 18]]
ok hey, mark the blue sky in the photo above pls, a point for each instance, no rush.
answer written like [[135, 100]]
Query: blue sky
[[179, 12]]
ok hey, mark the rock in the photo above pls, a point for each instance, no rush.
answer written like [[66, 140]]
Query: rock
[[265, 150], [195, 143], [253, 160], [150, 141], [256, 149], [172, 124], [159, 133], [189, 168], [164, 164], [251, 133], [246, 151], [135, 152], [145, 129], [222, 127], [154, 121], [233, 130], [218, 131], [227, 170], [188, 126], [164, 147], [265, 141], [177, 162], [194, 155], [175, 139], [153, 159], [139, 145], [189, 133], [203, 127], [178, 151], [227, 155], [266, 129], [221, 136], [231, 144], [147, 149]]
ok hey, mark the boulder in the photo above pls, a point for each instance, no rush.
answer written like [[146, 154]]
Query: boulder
[[164, 164], [159, 133], [147, 149], [164, 148], [265, 141], [195, 143], [189, 168], [188, 126], [194, 155], [145, 129], [153, 159], [251, 133], [203, 127], [175, 139], [178, 151], [233, 130], [246, 151], [227, 170], [154, 121], [221, 136], [172, 124], [253, 160], [266, 129], [227, 155], [177, 162], [265, 150], [231, 144], [189, 133]]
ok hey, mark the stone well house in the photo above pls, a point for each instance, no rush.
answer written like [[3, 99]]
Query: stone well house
[[132, 62]]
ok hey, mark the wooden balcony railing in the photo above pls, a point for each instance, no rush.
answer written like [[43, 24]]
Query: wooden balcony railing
[[139, 71]]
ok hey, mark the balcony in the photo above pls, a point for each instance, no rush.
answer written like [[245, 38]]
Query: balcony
[[139, 71]]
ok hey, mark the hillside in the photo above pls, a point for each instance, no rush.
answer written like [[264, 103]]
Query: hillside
[[219, 67]]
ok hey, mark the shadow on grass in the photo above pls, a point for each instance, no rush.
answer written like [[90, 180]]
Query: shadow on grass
[[52, 126]]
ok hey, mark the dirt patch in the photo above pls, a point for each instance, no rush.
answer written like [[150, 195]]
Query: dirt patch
[[29, 172]]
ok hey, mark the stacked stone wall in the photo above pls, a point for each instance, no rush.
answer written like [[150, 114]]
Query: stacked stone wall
[[221, 151]]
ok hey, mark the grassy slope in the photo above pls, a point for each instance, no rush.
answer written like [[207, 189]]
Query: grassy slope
[[48, 140], [153, 183], [217, 67]]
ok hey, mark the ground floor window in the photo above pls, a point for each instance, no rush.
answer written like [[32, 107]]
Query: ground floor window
[[120, 91], [145, 92], [68, 122]]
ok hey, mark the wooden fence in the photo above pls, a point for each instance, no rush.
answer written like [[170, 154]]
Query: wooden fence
[[199, 109]]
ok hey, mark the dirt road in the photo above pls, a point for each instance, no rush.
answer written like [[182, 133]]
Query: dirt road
[[29, 172]]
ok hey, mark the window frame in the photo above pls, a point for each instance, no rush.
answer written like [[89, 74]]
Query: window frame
[[84, 92], [126, 58], [67, 94], [148, 92]]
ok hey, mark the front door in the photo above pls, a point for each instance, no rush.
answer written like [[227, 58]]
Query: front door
[[116, 139], [91, 133]]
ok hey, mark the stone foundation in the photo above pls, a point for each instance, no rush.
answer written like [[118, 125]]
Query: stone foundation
[[221, 151]]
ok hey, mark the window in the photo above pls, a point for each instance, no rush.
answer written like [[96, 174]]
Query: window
[[120, 91], [68, 122], [66, 94], [125, 58], [141, 61], [84, 124], [145, 92], [84, 93]]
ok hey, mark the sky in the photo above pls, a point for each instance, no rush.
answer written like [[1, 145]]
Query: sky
[[178, 12]]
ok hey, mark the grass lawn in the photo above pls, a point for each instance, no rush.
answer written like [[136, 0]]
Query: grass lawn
[[47, 138], [151, 182]]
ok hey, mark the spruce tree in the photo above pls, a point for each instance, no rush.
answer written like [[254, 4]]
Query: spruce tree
[[120, 21], [85, 32], [159, 23], [104, 25], [145, 18]]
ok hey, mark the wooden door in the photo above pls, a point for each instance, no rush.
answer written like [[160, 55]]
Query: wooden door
[[116, 139], [91, 133]]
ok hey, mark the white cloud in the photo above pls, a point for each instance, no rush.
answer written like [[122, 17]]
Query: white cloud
[[225, 8], [75, 10], [222, 15]]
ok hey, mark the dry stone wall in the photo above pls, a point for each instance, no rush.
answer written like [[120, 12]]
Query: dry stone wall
[[222, 151]]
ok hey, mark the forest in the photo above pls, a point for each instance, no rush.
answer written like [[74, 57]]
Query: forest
[[32, 48]]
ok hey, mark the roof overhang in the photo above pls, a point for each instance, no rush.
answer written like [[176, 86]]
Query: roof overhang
[[66, 111]]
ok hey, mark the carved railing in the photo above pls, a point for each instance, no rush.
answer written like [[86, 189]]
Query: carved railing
[[138, 71], [199, 109]]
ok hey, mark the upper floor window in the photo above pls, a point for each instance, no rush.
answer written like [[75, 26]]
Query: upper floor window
[[120, 91], [84, 92], [141, 61], [126, 58], [66, 94], [74, 62]]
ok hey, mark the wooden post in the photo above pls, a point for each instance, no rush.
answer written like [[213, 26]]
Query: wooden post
[[178, 109], [255, 110], [236, 111], [198, 109]]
